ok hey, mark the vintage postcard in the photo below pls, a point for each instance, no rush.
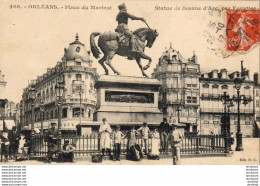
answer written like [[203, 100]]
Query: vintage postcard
[[129, 82]]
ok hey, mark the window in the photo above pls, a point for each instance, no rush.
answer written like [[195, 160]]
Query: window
[[51, 114], [194, 99], [78, 63], [257, 103], [89, 113], [78, 77], [64, 112], [188, 99], [224, 87], [76, 112], [56, 114], [256, 93]]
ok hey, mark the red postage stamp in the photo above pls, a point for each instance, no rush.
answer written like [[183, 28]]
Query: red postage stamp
[[242, 29]]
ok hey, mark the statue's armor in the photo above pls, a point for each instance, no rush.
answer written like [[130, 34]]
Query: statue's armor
[[122, 17]]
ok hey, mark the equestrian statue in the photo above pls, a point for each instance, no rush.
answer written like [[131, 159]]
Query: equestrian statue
[[123, 42]]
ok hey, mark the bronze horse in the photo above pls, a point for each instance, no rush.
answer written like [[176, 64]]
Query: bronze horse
[[111, 43]]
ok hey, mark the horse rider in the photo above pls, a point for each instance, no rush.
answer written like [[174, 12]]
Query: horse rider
[[122, 28]]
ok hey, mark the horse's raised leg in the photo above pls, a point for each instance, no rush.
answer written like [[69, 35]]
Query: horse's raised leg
[[101, 62], [138, 60], [144, 56], [110, 56]]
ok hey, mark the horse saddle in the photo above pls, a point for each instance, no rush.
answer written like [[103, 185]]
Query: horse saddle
[[123, 40]]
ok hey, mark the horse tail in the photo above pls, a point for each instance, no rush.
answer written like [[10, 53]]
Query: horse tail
[[94, 49]]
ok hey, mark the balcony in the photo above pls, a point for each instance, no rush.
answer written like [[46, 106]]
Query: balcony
[[205, 96], [77, 100], [210, 110], [80, 68], [190, 102], [175, 102]]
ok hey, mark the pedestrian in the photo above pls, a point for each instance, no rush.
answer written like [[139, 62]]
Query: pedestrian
[[67, 152], [14, 138], [117, 138], [134, 151], [145, 136], [155, 142], [105, 131], [175, 138], [53, 138], [164, 130], [4, 146]]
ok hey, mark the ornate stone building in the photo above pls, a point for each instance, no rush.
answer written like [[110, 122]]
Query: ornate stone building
[[70, 83], [179, 93], [212, 86]]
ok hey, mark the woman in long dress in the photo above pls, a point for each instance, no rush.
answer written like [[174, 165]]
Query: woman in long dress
[[105, 131], [155, 142]]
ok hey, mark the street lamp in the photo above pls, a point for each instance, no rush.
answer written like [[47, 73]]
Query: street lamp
[[80, 103], [229, 105], [225, 99], [238, 81], [32, 98], [42, 111], [32, 92], [59, 88]]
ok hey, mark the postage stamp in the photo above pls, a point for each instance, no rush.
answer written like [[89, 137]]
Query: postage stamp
[[242, 29]]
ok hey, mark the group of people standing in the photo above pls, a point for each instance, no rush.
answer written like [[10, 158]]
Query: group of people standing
[[12, 143], [161, 136]]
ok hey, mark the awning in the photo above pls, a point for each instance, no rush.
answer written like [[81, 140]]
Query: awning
[[8, 123]]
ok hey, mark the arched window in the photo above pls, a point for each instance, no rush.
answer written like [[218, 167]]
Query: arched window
[[76, 112], [89, 113]]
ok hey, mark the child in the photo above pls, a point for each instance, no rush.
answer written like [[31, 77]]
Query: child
[[117, 138], [67, 152]]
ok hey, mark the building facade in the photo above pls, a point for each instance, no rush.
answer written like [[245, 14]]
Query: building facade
[[70, 83], [212, 87], [257, 104], [179, 93], [2, 95]]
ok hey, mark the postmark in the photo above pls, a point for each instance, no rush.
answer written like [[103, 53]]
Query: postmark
[[231, 32]]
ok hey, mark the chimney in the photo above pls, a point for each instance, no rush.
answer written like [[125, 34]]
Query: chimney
[[256, 78]]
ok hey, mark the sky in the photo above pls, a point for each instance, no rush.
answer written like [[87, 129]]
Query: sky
[[32, 40]]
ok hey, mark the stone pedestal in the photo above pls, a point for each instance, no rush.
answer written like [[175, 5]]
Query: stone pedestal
[[132, 100]]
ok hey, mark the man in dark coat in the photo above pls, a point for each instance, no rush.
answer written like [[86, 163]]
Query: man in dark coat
[[14, 138], [53, 142], [164, 130]]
